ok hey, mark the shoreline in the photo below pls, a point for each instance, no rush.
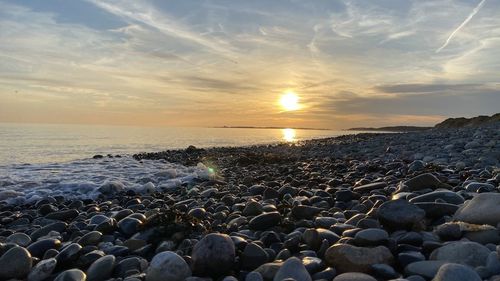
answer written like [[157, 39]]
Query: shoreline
[[300, 210]]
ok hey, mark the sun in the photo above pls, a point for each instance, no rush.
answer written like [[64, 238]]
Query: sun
[[289, 101]]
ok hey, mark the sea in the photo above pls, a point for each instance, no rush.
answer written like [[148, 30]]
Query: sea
[[40, 160]]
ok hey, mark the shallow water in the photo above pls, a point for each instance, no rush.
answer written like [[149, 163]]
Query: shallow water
[[51, 143]]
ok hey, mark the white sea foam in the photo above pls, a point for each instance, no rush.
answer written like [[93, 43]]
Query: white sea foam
[[90, 177]]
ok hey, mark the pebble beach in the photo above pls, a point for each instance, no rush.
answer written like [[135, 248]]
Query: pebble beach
[[404, 206]]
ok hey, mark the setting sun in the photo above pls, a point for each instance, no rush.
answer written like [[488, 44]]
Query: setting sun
[[290, 101]]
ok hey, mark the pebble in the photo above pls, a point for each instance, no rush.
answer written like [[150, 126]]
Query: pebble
[[453, 272], [42, 270], [167, 266], [101, 269], [467, 253], [265, 221], [15, 263], [354, 276], [349, 258], [71, 275], [213, 255], [292, 268], [400, 214], [484, 208]]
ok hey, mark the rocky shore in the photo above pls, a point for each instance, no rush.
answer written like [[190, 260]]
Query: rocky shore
[[410, 206]]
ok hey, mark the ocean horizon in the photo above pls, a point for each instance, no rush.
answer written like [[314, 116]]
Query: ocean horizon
[[30, 143]]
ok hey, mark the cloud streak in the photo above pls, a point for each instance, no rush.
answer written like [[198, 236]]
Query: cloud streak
[[469, 17]]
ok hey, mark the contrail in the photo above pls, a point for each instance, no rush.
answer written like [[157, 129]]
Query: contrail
[[474, 12]]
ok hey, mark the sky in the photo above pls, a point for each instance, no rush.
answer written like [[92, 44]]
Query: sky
[[212, 63]]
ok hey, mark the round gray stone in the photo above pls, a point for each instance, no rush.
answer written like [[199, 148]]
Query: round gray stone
[[167, 266]]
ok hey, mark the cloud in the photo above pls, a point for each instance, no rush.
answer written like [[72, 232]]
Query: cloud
[[426, 88], [469, 17]]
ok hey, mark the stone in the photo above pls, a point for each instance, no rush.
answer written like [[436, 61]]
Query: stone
[[213, 255], [369, 187], [38, 248], [265, 221], [129, 225], [424, 181], [426, 269], [305, 212], [167, 266], [437, 209], [484, 208], [19, 238], [63, 215], [15, 263], [349, 258], [101, 269], [68, 254], [354, 276], [254, 276], [253, 256], [91, 238], [453, 272], [269, 270], [42, 270], [252, 208], [71, 275], [400, 214], [292, 268], [371, 237], [444, 195], [467, 253]]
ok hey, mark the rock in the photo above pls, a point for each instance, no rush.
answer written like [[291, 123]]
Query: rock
[[252, 208], [64, 215], [198, 213], [314, 237], [15, 263], [167, 266], [369, 187], [91, 238], [484, 208], [479, 187], [129, 225], [265, 221], [68, 254], [467, 253], [453, 272], [38, 248], [269, 270], [400, 214], [445, 195], [371, 237], [71, 275], [427, 269], [213, 255], [253, 256], [436, 209], [56, 226], [254, 276], [42, 270], [101, 269], [292, 268], [348, 258], [354, 276], [305, 212], [424, 181], [19, 238]]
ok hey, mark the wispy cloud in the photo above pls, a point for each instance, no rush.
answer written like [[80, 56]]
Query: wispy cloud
[[469, 17]]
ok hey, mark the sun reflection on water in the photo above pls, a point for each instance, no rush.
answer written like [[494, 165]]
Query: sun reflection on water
[[288, 135]]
